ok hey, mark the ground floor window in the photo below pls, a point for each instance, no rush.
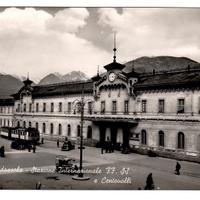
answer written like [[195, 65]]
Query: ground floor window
[[43, 127], [89, 132], [59, 129], [36, 125], [69, 130], [161, 138], [51, 128], [143, 137], [78, 131], [181, 140]]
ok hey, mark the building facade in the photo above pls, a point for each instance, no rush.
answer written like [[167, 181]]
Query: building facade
[[158, 111]]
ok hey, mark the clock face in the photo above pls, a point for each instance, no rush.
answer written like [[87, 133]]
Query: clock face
[[111, 77]]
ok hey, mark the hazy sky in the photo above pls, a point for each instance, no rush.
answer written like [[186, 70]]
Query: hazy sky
[[47, 40]]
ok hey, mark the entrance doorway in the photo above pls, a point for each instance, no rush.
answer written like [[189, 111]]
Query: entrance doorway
[[102, 130], [113, 134], [126, 133]]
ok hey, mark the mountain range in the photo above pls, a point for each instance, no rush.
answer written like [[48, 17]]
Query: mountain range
[[58, 78], [159, 63], [10, 84]]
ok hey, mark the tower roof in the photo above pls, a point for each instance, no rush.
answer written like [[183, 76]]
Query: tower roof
[[114, 65], [27, 82]]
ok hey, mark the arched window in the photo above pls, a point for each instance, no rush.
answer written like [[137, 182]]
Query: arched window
[[18, 124], [161, 139], [59, 129], [181, 140], [29, 124], [43, 127], [143, 137], [8, 122], [36, 125], [51, 128], [69, 130], [78, 131], [24, 124], [89, 132]]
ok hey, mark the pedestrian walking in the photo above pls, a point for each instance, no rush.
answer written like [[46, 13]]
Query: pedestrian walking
[[178, 167], [58, 143], [149, 182], [42, 141], [34, 148], [38, 186]]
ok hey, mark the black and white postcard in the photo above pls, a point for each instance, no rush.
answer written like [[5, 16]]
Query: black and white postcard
[[99, 98]]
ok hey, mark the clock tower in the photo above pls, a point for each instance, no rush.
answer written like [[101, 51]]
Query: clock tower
[[113, 68]]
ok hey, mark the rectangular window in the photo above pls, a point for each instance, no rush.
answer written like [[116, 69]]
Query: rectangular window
[[37, 107], [103, 107], [69, 107], [181, 105], [60, 107], [161, 105], [79, 107], [24, 107], [114, 107], [144, 106], [44, 107], [126, 107], [90, 108], [30, 107], [52, 107]]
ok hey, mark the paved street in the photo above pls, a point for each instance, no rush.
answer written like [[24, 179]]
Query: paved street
[[106, 171]]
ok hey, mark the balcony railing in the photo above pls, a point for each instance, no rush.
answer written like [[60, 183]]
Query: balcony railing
[[132, 115], [190, 116]]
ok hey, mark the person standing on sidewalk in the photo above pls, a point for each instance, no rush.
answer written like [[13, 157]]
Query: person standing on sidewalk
[[178, 167], [34, 148], [58, 143], [102, 147], [149, 182]]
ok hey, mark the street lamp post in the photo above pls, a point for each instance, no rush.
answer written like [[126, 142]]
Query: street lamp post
[[80, 175]]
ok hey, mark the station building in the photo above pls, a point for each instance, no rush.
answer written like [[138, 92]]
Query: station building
[[158, 111]]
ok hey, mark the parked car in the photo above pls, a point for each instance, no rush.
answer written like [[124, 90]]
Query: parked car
[[66, 165], [67, 146]]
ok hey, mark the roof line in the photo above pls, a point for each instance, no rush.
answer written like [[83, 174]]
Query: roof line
[[64, 83]]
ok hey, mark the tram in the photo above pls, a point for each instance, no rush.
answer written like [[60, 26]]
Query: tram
[[24, 135]]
